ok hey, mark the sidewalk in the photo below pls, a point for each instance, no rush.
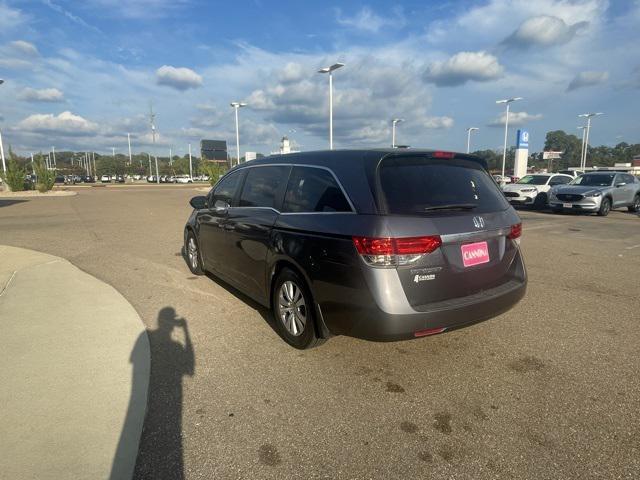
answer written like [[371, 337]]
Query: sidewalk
[[74, 372]]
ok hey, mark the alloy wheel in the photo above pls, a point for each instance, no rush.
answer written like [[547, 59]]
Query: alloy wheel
[[192, 252], [292, 308]]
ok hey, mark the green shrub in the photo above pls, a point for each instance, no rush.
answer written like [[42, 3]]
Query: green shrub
[[14, 177], [44, 178], [214, 170]]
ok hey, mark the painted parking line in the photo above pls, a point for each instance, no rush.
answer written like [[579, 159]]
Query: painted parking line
[[632, 247]]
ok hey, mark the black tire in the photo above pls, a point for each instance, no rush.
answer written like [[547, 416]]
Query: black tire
[[192, 254], [294, 311], [635, 206], [540, 201], [605, 207]]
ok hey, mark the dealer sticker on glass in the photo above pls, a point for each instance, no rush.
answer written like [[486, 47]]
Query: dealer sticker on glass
[[475, 254]]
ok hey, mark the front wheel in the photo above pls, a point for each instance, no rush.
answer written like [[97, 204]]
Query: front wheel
[[635, 206], [605, 207], [294, 310], [192, 251]]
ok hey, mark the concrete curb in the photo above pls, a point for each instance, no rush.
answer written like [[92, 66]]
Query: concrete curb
[[74, 371]]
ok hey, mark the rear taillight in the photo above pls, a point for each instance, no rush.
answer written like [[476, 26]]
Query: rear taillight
[[516, 232], [391, 252], [440, 154]]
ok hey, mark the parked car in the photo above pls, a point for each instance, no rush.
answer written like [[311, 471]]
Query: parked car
[[533, 190], [572, 173], [597, 192], [105, 178], [183, 179], [377, 244], [151, 179], [88, 179], [171, 179], [60, 179]]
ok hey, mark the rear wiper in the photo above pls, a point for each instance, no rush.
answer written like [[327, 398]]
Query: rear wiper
[[452, 206]]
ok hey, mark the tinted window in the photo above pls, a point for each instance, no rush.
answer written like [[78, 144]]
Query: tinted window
[[627, 178], [559, 180], [594, 180], [225, 190], [262, 186], [314, 190], [417, 185]]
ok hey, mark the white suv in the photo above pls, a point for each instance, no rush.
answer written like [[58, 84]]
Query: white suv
[[533, 189]]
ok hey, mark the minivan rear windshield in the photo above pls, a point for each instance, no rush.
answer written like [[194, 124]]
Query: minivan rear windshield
[[421, 186]]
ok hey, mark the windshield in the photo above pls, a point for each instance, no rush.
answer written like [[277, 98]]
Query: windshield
[[599, 180], [415, 185], [534, 180]]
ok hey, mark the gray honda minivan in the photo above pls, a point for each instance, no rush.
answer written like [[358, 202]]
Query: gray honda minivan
[[381, 244]]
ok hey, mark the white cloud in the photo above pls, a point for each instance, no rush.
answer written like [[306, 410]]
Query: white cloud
[[543, 31], [368, 21], [587, 79], [43, 95], [137, 9], [438, 122], [10, 17], [63, 124], [516, 119], [178, 78], [464, 67], [24, 48]]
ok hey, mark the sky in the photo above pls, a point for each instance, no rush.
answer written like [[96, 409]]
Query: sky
[[80, 75]]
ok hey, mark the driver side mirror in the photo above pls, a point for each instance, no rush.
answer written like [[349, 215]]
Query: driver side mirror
[[621, 184], [198, 202]]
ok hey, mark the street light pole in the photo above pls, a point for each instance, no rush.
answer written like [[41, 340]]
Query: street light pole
[[469, 130], [237, 106], [586, 138], [394, 122], [190, 165], [508, 101], [584, 130], [129, 143], [330, 70]]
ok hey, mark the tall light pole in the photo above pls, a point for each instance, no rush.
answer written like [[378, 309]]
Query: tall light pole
[[4, 165], [469, 130], [584, 130], [190, 165], [586, 138], [113, 152], [330, 70], [394, 122], [508, 101], [129, 143], [53, 151], [236, 106], [152, 117], [170, 162]]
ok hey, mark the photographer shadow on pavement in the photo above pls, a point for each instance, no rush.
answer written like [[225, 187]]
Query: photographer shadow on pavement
[[160, 453]]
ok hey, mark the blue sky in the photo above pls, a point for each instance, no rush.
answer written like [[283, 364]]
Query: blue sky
[[81, 75]]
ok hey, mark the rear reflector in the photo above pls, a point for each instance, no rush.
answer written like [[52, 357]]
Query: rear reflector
[[388, 252], [429, 331], [516, 231], [443, 154]]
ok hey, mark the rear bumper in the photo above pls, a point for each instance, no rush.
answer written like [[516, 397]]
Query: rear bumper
[[366, 320]]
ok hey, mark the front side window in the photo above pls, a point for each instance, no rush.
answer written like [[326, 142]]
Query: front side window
[[314, 190], [263, 186], [559, 180], [225, 191]]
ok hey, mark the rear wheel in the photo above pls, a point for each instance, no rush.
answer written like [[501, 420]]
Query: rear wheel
[[192, 251], [635, 206], [605, 207], [294, 310]]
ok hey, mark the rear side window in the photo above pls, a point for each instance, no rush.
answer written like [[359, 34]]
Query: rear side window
[[314, 190], [559, 180], [263, 186], [226, 190], [414, 186]]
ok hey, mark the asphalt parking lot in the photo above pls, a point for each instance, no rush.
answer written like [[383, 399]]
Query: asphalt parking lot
[[548, 390]]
